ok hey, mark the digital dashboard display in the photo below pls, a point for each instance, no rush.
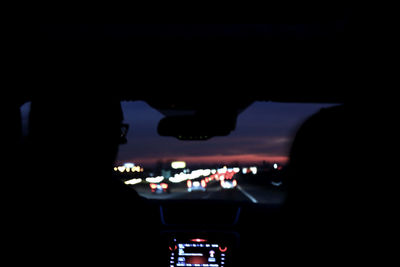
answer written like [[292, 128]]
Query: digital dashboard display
[[198, 253]]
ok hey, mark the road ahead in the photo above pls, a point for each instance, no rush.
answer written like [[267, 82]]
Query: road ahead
[[243, 193]]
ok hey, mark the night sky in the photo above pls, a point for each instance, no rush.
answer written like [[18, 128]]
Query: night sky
[[264, 131]]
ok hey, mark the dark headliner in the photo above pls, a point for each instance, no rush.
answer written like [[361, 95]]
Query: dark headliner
[[308, 60]]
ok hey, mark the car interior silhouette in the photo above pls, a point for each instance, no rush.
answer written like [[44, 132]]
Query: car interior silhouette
[[72, 202]]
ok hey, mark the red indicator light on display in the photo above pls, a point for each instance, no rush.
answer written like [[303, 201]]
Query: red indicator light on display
[[198, 240], [223, 249]]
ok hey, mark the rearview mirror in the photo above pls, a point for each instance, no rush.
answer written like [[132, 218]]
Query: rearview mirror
[[197, 127]]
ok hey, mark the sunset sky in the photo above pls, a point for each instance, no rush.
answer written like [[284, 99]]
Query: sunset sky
[[264, 131]]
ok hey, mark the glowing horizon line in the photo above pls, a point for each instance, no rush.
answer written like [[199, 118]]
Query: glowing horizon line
[[214, 159]]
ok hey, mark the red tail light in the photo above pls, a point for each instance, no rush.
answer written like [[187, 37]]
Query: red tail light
[[189, 183], [153, 186], [164, 186], [203, 183]]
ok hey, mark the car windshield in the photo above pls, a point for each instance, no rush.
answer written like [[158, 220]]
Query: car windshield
[[247, 165]]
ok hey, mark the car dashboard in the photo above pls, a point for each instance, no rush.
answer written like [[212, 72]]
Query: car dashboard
[[213, 233]]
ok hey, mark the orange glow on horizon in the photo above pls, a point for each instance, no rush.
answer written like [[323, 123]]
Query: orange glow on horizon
[[218, 159]]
